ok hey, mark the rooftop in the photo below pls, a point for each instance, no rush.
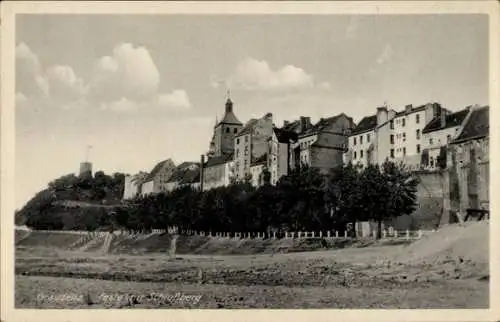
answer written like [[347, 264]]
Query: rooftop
[[477, 125], [284, 136], [157, 169], [225, 158], [367, 123], [451, 120]]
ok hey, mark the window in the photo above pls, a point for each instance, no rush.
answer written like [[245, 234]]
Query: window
[[391, 124], [404, 151], [360, 139], [418, 148], [238, 141], [227, 130], [354, 154], [448, 138], [418, 134], [404, 122], [368, 138], [432, 162], [430, 141], [235, 130], [354, 142], [361, 154], [404, 137], [392, 153], [246, 138], [392, 138], [417, 118]]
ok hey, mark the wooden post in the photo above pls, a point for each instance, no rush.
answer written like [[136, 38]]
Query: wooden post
[[407, 234], [300, 233], [420, 233], [336, 234], [395, 234], [328, 234], [320, 234], [313, 234], [274, 235], [345, 234]]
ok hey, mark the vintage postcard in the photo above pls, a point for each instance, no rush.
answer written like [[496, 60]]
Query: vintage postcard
[[305, 160]]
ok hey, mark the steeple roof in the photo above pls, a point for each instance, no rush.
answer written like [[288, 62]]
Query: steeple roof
[[229, 117]]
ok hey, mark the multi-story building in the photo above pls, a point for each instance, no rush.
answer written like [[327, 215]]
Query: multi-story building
[[390, 135], [217, 171], [468, 157], [321, 145], [224, 132], [157, 179], [279, 153], [133, 184], [438, 133], [251, 143], [257, 170], [184, 174]]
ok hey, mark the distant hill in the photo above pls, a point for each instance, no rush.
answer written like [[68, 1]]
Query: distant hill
[[72, 202]]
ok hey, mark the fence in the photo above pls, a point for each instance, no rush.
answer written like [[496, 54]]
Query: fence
[[386, 234]]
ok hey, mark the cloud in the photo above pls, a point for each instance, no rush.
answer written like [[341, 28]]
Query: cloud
[[324, 85], [121, 105], [252, 74], [130, 72], [29, 75], [178, 99], [65, 86], [385, 55], [125, 81]]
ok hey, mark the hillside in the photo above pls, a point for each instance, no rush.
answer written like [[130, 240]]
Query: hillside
[[72, 202]]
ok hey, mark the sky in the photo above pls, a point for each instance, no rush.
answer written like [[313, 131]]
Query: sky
[[141, 89]]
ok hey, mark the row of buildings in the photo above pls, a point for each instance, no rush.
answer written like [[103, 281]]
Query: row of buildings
[[415, 136]]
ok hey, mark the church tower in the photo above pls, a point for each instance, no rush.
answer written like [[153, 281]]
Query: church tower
[[225, 130]]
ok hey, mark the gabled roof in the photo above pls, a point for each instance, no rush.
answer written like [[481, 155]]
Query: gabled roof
[[451, 120], [477, 125], [323, 123], [229, 117], [285, 136], [292, 126], [191, 176], [213, 161], [182, 171], [368, 123], [139, 177], [157, 169], [247, 129]]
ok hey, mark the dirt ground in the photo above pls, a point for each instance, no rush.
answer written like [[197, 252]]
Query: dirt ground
[[370, 277]]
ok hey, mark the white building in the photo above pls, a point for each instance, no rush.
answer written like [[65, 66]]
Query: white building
[[396, 136], [157, 179], [133, 184], [439, 132], [279, 153]]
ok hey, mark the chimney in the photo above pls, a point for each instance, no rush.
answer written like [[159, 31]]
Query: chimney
[[381, 115], [302, 124], [408, 108], [202, 170], [443, 117]]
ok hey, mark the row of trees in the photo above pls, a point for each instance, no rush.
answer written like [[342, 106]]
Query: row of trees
[[305, 199]]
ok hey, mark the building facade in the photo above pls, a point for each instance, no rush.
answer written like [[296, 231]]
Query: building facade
[[438, 133], [468, 160], [187, 173], [251, 143], [157, 179], [321, 145], [279, 153], [390, 135], [133, 185], [218, 172]]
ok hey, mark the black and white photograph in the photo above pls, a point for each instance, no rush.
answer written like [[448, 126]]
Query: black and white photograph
[[334, 160]]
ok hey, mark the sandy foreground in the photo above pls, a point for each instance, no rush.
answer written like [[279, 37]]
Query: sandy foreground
[[370, 277]]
